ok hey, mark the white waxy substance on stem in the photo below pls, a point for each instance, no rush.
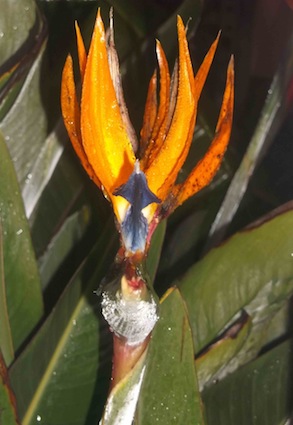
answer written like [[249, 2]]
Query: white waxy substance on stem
[[131, 319]]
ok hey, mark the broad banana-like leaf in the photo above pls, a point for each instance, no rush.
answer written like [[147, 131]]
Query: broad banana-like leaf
[[20, 283]]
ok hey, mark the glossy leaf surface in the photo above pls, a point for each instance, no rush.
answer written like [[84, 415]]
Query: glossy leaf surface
[[24, 124], [211, 362], [20, 273], [255, 264], [76, 352], [169, 391], [258, 394], [6, 344], [78, 349], [8, 414], [122, 400]]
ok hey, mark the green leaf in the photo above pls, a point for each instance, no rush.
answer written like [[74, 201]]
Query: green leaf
[[144, 18], [69, 360], [17, 36], [121, 403], [70, 233], [55, 204], [154, 254], [43, 168], [210, 363], [25, 124], [16, 21], [6, 344], [122, 400], [9, 91], [187, 9], [253, 270], [169, 393], [279, 325], [258, 394], [22, 283], [270, 118], [8, 415]]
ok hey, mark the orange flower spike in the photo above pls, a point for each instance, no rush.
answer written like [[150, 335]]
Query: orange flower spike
[[204, 69], [81, 51], [205, 170], [164, 89], [104, 139], [162, 172], [159, 128], [71, 116], [199, 81], [150, 114], [104, 136]]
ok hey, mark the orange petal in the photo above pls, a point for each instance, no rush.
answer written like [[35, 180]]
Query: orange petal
[[71, 116], [104, 136], [199, 82], [81, 51], [159, 129], [204, 171], [203, 71], [150, 113], [117, 83], [173, 95], [162, 172]]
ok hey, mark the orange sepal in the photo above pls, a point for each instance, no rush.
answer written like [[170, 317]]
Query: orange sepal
[[150, 113], [71, 116], [162, 172], [81, 51], [204, 171], [199, 82], [204, 68], [104, 136], [159, 129]]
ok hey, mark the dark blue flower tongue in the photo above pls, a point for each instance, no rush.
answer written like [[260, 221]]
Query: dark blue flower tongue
[[134, 227]]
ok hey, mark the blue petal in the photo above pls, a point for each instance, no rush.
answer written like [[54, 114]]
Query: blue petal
[[134, 230], [136, 190], [134, 227]]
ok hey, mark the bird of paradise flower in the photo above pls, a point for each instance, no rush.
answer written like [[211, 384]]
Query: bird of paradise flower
[[139, 179]]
